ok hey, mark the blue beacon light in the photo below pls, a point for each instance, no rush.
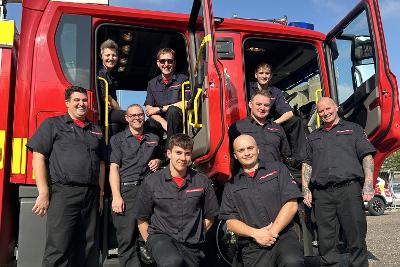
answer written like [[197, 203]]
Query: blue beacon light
[[300, 24]]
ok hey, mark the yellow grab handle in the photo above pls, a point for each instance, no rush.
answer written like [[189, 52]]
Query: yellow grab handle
[[316, 102], [183, 106], [195, 110], [105, 110], [205, 40]]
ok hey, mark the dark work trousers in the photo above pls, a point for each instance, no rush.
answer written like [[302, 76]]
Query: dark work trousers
[[173, 117], [342, 206], [167, 252], [117, 120], [296, 136], [286, 252], [126, 226], [71, 228]]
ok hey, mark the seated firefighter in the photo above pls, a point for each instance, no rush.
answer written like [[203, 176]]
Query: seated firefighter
[[259, 204], [109, 58], [281, 112], [164, 96]]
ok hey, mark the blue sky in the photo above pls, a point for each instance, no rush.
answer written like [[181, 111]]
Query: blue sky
[[324, 14]]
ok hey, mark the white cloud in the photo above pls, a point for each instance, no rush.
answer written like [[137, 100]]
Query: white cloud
[[390, 9]]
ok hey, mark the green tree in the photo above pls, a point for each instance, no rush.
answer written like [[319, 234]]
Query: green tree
[[392, 162]]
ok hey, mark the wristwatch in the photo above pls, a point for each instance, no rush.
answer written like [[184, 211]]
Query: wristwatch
[[160, 109]]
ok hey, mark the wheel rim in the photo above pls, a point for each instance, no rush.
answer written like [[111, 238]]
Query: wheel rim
[[377, 205], [225, 243]]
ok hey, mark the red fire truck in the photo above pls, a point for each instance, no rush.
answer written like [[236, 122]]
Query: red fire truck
[[58, 45]]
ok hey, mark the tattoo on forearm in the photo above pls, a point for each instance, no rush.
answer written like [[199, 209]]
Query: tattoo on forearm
[[305, 191], [368, 167], [306, 174], [307, 169]]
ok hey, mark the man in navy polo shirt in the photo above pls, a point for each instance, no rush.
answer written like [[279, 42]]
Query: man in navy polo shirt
[[175, 208], [281, 112], [164, 96], [109, 59], [68, 160], [259, 204], [270, 136], [134, 154], [337, 175]]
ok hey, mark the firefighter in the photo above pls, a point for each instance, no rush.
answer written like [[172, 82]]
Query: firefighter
[[164, 96], [134, 154], [259, 204], [68, 161], [176, 207], [338, 169], [281, 112], [109, 59], [270, 136]]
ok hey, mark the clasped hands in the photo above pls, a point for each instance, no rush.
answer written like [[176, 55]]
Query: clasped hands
[[265, 237]]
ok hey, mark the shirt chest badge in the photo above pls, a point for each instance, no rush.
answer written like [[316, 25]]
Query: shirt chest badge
[[151, 142], [175, 86], [344, 131], [199, 189], [271, 129], [98, 134], [269, 175]]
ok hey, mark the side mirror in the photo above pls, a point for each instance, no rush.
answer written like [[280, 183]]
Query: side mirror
[[361, 49]]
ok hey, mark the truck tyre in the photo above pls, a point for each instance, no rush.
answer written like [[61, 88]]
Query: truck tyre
[[376, 206]]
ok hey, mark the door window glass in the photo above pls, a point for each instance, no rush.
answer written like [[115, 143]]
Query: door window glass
[[354, 59], [73, 43]]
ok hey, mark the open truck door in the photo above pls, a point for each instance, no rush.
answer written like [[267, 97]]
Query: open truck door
[[207, 91], [361, 82]]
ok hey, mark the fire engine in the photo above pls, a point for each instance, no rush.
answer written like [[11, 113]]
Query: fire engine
[[58, 45]]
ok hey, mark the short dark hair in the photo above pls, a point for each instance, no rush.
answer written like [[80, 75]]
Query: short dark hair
[[110, 44], [265, 93], [73, 89], [262, 65], [165, 51], [182, 140], [134, 105]]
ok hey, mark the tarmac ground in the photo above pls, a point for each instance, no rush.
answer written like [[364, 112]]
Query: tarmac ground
[[383, 242]]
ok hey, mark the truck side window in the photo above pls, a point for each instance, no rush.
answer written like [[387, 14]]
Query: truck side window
[[73, 43], [354, 58]]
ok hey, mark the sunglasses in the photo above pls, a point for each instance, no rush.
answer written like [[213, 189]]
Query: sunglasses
[[169, 61]]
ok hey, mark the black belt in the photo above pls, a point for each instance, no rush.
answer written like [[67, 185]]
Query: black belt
[[335, 185], [135, 183]]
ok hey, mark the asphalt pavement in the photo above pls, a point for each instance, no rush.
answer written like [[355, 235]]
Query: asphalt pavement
[[383, 242]]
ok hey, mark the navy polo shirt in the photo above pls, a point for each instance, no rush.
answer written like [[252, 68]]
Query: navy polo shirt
[[336, 155], [257, 200], [132, 156], [112, 80], [73, 153], [160, 94], [177, 212], [270, 138], [279, 105]]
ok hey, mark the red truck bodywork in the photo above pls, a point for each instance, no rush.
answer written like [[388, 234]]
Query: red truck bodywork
[[32, 83]]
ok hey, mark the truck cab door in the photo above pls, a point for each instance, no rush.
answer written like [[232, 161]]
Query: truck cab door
[[206, 75], [360, 78]]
